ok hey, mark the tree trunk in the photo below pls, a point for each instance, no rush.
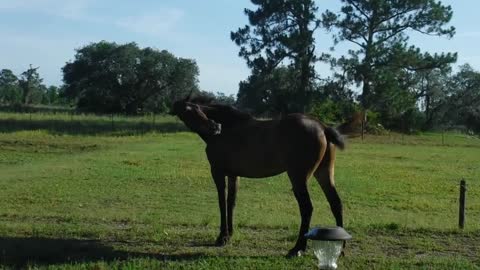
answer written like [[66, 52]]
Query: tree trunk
[[305, 57], [26, 95], [366, 90], [304, 85], [428, 111]]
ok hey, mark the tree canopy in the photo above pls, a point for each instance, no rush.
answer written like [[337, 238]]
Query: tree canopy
[[10, 92], [31, 85], [26, 89], [278, 45], [379, 29], [281, 32], [108, 77]]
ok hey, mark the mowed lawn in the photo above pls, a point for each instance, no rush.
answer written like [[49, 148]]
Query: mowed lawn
[[74, 198]]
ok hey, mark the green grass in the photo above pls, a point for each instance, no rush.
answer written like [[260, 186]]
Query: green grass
[[83, 197]]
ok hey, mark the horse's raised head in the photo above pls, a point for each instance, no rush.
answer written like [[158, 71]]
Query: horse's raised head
[[194, 118]]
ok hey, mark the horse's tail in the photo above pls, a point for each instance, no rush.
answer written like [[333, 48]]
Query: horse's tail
[[334, 137]]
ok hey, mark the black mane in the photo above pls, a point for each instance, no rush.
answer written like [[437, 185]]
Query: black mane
[[226, 115]]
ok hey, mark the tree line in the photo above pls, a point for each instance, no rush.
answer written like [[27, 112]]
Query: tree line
[[106, 77], [383, 76], [28, 88]]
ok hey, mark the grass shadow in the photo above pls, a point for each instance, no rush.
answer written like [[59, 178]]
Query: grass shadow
[[20, 252], [204, 244], [90, 127]]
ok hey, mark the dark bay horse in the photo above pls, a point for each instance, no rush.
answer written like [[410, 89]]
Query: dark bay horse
[[240, 145]]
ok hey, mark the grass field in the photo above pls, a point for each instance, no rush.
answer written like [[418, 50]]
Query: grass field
[[82, 193]]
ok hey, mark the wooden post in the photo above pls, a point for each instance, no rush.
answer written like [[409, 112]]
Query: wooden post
[[461, 212], [364, 123], [363, 130], [443, 137]]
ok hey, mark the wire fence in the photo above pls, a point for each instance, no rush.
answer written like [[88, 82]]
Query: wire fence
[[90, 124], [446, 138], [72, 122]]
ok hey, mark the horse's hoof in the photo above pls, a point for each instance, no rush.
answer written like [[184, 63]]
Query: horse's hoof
[[294, 253], [221, 241]]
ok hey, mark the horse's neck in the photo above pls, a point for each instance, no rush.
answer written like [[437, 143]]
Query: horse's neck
[[227, 117]]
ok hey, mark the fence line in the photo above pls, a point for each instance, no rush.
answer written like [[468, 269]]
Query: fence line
[[76, 123], [446, 139], [151, 122]]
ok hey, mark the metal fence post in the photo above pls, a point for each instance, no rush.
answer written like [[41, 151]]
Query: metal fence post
[[461, 212]]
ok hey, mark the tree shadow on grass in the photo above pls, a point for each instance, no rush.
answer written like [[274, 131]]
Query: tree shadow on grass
[[90, 127], [20, 252]]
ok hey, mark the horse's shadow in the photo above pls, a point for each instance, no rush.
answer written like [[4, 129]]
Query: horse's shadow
[[19, 252]]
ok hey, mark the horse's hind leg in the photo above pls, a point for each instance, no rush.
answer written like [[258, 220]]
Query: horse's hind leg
[[325, 177], [299, 185]]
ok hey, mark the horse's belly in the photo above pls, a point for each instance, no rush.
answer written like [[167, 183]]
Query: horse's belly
[[257, 165], [262, 173]]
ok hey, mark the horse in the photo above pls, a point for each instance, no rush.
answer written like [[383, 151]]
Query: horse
[[239, 145]]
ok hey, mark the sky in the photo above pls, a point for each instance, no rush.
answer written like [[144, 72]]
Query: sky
[[45, 34]]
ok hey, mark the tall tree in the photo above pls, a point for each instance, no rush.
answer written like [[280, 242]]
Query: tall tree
[[52, 95], [281, 31], [334, 100], [378, 28], [431, 91], [7, 77], [108, 77], [224, 99], [30, 83], [9, 90], [269, 93], [464, 98]]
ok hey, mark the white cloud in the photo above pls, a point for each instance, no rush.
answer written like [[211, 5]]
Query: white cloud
[[162, 22]]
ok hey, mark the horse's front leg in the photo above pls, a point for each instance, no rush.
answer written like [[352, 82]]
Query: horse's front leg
[[219, 179], [232, 196], [299, 185]]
